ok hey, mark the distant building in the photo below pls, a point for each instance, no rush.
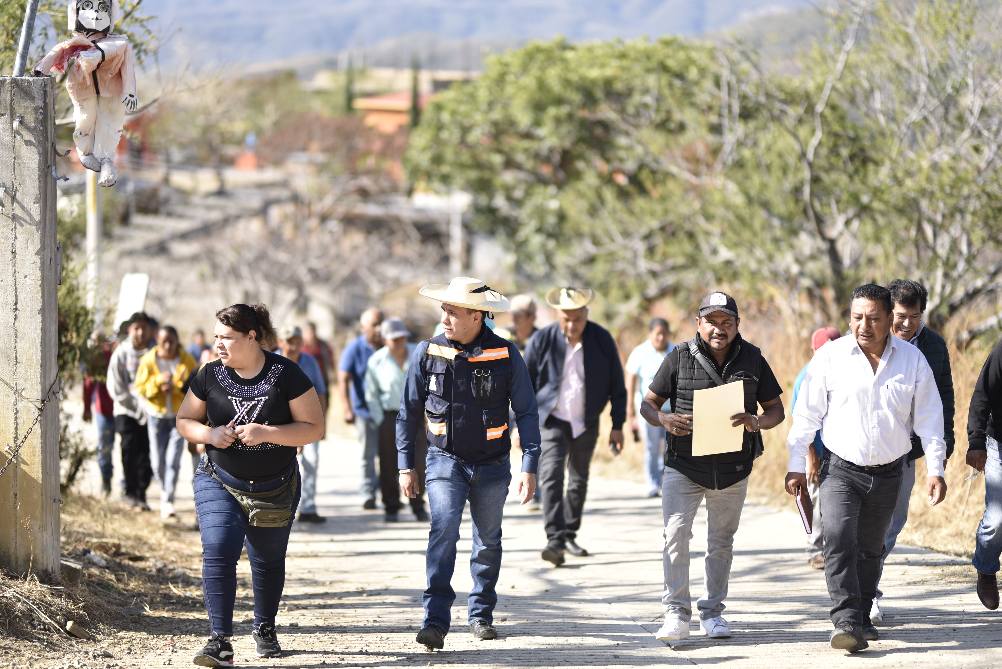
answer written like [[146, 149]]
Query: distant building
[[388, 113]]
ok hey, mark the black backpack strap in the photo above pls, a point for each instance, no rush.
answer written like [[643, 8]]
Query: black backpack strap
[[704, 363]]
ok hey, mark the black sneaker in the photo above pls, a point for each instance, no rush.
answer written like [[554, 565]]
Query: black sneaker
[[218, 652], [869, 631], [311, 518], [421, 515], [482, 630], [391, 517], [266, 640], [369, 504], [431, 637], [847, 636]]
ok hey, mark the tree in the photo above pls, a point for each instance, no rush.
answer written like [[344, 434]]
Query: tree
[[589, 160], [882, 159], [415, 112], [644, 168]]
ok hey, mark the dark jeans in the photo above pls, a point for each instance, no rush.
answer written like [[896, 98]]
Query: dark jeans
[[450, 483], [134, 440], [856, 509], [389, 481], [222, 523], [562, 514]]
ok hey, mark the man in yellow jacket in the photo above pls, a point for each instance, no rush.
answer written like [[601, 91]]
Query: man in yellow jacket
[[161, 381]]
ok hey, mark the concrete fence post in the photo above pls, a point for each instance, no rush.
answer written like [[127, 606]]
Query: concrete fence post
[[29, 406]]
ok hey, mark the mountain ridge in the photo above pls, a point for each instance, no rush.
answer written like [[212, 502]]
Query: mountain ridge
[[251, 32]]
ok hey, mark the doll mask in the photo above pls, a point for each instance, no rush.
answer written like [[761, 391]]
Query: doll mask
[[93, 16]]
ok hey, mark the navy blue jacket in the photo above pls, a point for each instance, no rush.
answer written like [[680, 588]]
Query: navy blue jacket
[[440, 396], [934, 349], [544, 355]]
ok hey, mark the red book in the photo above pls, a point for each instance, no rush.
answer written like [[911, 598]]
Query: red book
[[806, 509]]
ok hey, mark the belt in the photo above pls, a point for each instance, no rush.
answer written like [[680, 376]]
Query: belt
[[871, 469]]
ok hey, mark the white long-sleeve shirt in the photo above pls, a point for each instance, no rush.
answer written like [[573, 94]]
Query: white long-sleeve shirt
[[571, 397], [867, 417]]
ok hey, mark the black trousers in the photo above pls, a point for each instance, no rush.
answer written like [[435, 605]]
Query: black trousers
[[389, 481], [135, 443], [856, 509], [560, 450]]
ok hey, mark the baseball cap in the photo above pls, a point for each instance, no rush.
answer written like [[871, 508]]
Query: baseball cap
[[718, 301], [393, 328], [287, 332], [822, 336]]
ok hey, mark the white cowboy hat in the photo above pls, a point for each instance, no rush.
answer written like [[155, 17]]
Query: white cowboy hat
[[568, 298], [465, 291]]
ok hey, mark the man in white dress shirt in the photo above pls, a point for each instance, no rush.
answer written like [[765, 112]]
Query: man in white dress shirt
[[866, 393]]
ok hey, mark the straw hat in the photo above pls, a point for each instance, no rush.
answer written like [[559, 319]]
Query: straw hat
[[465, 291], [568, 298]]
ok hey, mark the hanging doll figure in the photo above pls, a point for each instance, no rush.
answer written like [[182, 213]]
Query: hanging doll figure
[[101, 81]]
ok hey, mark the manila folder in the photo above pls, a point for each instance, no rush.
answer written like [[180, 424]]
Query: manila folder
[[711, 419]]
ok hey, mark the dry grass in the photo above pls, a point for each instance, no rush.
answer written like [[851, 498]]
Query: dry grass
[[131, 565], [948, 527]]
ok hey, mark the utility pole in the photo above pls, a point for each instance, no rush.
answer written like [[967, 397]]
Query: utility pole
[[27, 28], [93, 241], [458, 203]]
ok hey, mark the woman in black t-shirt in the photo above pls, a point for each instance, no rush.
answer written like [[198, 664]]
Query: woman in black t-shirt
[[251, 408]]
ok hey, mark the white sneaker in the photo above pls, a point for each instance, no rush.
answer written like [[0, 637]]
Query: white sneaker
[[167, 510], [675, 628], [716, 628], [876, 615]]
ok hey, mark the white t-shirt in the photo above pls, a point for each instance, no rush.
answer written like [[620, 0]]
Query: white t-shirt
[[645, 361]]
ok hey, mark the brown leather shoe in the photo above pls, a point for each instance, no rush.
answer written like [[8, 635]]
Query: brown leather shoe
[[988, 591]]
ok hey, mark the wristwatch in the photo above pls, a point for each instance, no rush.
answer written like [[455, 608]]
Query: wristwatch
[[405, 471], [758, 424]]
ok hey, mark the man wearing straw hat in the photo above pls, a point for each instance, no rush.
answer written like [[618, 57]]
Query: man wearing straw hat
[[574, 365], [460, 386]]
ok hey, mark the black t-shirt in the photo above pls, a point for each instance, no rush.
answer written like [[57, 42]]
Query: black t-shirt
[[263, 399]]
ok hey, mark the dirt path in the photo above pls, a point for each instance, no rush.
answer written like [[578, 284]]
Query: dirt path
[[352, 596]]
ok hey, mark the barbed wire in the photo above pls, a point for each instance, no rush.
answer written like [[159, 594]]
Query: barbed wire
[[39, 412]]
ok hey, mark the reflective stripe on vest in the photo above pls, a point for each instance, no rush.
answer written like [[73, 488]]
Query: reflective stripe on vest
[[446, 352], [496, 432], [438, 429], [491, 354]]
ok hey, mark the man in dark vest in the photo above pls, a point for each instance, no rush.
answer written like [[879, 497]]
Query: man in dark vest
[[715, 356], [460, 386], [575, 368]]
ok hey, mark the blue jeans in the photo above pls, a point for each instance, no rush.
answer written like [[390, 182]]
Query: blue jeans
[[449, 484], [166, 448], [105, 444], [309, 462], [654, 461], [988, 543], [223, 526], [900, 516]]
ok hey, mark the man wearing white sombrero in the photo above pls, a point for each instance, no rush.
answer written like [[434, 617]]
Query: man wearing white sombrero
[[459, 388], [575, 368]]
